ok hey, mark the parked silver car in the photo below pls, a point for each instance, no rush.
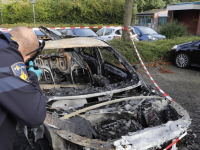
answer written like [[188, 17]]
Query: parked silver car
[[109, 33]]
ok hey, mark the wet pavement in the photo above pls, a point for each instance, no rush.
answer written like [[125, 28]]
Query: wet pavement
[[183, 85]]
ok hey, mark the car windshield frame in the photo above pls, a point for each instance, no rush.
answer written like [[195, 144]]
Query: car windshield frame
[[148, 31], [38, 33], [57, 32], [85, 33]]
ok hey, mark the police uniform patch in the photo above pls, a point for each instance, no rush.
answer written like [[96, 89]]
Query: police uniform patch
[[13, 38], [19, 69]]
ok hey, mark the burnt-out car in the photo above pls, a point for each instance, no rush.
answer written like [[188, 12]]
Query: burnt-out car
[[97, 101]]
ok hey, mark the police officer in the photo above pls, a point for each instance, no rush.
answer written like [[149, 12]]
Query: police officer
[[21, 98]]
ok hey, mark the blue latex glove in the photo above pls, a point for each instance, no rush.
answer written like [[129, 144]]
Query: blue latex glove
[[38, 72]]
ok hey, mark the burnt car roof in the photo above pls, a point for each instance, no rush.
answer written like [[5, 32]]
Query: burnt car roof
[[75, 42]]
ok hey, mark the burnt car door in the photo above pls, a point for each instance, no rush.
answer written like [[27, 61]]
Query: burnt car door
[[105, 61], [93, 58], [112, 68]]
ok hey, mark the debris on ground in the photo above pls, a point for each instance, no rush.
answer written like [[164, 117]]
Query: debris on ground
[[158, 63], [162, 69]]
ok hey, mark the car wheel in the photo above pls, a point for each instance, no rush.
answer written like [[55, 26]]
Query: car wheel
[[182, 60]]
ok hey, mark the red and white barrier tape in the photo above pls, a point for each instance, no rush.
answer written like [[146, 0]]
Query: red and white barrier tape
[[165, 94], [51, 28], [176, 141], [123, 28]]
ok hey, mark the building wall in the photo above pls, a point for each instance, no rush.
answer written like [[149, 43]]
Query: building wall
[[189, 18], [153, 22], [169, 16], [198, 26], [156, 17]]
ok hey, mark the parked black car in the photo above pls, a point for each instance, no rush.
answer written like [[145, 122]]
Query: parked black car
[[183, 55], [79, 33]]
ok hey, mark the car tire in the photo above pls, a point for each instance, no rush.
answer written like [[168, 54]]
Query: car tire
[[182, 60]]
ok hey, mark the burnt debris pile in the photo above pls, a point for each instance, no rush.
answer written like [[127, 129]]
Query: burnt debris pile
[[109, 129], [132, 119]]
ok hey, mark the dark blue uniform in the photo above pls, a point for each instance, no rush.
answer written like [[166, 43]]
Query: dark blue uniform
[[21, 98]]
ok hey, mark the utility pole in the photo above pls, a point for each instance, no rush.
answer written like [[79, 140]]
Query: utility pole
[[33, 2], [127, 19]]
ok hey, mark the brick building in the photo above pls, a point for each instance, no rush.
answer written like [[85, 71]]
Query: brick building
[[186, 13], [152, 18]]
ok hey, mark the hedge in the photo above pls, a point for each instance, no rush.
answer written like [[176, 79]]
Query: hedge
[[65, 11], [149, 51], [173, 29]]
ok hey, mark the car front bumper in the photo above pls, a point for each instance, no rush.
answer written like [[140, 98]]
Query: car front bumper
[[173, 54]]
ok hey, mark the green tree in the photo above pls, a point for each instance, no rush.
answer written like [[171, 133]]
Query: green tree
[[171, 1], [189, 0], [174, 29], [145, 5]]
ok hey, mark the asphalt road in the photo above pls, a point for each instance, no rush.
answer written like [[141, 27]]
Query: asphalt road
[[183, 85]]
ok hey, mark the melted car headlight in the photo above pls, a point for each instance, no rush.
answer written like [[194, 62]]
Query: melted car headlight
[[174, 47], [151, 38]]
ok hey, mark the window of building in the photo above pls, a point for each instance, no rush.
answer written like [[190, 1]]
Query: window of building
[[145, 20], [162, 20]]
